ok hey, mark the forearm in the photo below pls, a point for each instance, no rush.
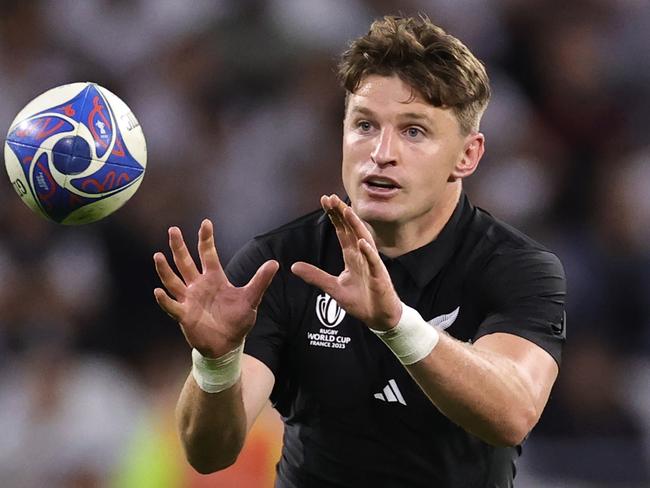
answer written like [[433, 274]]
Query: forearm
[[481, 391], [212, 426]]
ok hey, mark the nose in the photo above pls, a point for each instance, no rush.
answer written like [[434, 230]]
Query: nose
[[385, 151]]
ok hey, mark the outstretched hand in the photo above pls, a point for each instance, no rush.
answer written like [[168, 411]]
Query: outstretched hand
[[364, 288], [214, 315]]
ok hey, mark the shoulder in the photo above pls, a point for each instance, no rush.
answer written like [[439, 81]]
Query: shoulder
[[496, 244], [507, 265], [520, 285], [500, 234]]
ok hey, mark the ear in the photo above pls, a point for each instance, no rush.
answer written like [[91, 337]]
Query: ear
[[472, 153]]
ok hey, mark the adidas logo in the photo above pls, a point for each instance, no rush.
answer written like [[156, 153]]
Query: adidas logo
[[390, 393]]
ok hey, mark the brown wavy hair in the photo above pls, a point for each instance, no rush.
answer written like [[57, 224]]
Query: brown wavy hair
[[435, 64]]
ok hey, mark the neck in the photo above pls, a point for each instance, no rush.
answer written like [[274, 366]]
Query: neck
[[394, 238]]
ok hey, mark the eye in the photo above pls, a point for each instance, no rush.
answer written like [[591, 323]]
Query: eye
[[414, 132], [364, 126]]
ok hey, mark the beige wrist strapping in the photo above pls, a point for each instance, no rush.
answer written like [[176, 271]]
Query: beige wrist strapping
[[215, 375], [412, 339]]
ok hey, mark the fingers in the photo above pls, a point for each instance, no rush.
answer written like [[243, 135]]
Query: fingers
[[333, 212], [314, 276], [375, 264], [207, 249], [170, 306], [357, 226], [169, 279], [261, 281], [182, 257], [344, 216]]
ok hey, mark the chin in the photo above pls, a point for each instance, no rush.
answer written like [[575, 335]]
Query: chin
[[380, 212]]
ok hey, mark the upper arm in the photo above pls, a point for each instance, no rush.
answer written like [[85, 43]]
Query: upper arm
[[257, 382], [524, 290], [536, 368]]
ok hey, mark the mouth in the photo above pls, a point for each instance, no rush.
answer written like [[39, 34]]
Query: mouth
[[380, 183], [380, 188]]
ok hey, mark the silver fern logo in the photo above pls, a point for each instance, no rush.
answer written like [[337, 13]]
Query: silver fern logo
[[445, 320], [328, 311]]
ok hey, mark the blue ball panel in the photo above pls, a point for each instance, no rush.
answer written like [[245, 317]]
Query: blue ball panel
[[97, 116], [108, 178], [64, 146], [71, 155], [61, 161], [50, 196], [120, 155], [34, 131], [25, 154]]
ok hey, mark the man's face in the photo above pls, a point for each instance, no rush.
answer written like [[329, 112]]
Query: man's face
[[399, 153]]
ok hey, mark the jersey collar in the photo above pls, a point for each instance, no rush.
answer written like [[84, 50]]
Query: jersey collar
[[424, 263]]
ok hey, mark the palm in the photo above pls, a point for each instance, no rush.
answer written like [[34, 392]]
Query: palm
[[214, 315], [216, 307], [360, 295]]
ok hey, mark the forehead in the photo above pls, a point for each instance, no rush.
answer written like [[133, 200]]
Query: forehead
[[392, 82], [385, 89], [390, 96]]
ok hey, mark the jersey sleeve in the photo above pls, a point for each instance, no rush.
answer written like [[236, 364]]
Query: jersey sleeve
[[524, 292], [266, 339]]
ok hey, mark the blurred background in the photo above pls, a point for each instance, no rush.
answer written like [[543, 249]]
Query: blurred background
[[239, 103]]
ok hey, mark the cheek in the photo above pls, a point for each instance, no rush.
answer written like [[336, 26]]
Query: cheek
[[347, 175], [353, 155], [354, 142], [433, 169], [442, 159]]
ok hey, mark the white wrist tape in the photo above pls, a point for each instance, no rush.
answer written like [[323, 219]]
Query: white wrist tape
[[412, 338], [215, 375]]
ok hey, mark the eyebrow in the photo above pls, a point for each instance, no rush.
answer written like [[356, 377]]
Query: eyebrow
[[405, 115], [362, 111]]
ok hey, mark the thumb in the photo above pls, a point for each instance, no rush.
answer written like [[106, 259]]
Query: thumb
[[261, 281], [314, 276]]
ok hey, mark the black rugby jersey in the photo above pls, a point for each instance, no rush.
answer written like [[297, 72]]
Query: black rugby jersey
[[353, 416]]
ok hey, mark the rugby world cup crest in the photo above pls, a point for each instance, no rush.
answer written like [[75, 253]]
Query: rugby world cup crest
[[328, 311]]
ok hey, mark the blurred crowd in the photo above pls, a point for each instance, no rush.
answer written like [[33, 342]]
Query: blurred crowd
[[242, 112]]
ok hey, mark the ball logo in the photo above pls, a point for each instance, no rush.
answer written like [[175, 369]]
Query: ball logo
[[328, 311]]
